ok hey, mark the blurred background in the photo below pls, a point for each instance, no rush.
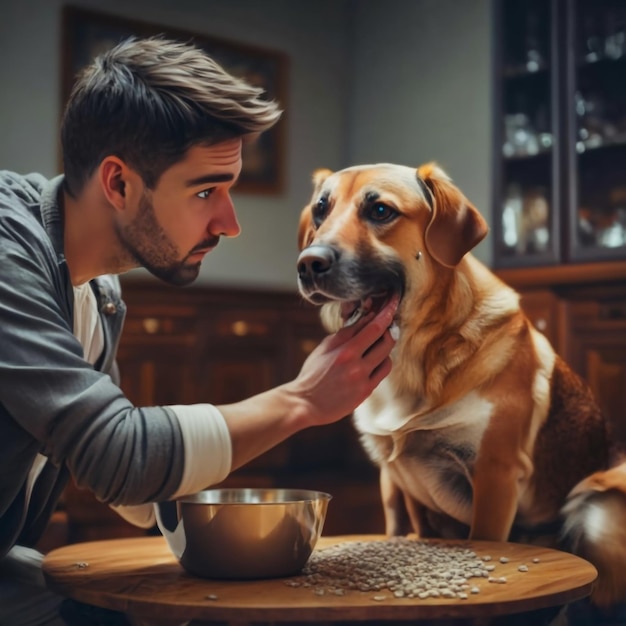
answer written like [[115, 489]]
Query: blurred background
[[404, 81]]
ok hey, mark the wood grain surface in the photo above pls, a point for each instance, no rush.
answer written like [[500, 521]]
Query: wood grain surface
[[140, 577]]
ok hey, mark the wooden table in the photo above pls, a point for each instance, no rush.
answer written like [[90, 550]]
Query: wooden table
[[140, 577]]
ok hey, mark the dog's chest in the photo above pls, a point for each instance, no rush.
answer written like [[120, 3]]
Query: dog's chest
[[430, 454]]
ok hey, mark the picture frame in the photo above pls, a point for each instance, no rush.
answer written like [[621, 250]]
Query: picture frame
[[87, 33]]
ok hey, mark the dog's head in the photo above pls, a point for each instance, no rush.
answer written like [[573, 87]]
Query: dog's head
[[374, 230]]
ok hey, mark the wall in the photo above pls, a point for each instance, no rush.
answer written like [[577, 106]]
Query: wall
[[401, 80], [423, 90]]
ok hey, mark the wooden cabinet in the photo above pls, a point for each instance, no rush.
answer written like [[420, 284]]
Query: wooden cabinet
[[597, 349], [545, 311], [559, 132], [158, 353], [559, 195], [214, 345], [220, 346], [582, 311]]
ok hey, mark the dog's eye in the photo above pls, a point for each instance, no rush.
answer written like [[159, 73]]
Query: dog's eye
[[320, 209], [381, 213]]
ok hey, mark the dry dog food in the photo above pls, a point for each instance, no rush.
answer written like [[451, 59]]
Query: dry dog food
[[398, 568]]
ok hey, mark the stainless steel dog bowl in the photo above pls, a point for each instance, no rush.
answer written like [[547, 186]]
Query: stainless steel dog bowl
[[244, 533]]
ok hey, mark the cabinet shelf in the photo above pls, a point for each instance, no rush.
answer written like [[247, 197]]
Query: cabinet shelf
[[572, 274], [541, 154], [602, 64], [569, 201], [520, 72], [607, 144]]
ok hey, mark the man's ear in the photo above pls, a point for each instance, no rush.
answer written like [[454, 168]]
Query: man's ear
[[305, 228], [456, 225], [116, 179]]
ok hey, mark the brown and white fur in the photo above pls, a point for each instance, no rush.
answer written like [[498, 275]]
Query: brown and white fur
[[480, 430]]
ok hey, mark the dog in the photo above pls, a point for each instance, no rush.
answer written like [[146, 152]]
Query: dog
[[481, 430]]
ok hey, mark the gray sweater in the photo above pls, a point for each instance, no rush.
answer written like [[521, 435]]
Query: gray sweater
[[52, 401]]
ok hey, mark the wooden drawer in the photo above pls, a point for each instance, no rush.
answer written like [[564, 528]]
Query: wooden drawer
[[605, 315], [243, 324], [161, 321]]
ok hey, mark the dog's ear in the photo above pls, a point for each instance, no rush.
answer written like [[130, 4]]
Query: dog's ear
[[305, 231], [456, 225], [319, 176]]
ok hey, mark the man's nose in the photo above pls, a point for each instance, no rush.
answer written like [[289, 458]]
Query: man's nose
[[225, 222]]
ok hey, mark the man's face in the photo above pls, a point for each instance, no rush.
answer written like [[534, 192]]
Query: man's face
[[182, 219]]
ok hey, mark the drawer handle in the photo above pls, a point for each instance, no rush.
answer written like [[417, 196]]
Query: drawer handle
[[308, 345], [151, 325], [241, 328], [541, 324]]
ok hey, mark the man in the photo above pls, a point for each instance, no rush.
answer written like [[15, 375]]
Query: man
[[151, 140]]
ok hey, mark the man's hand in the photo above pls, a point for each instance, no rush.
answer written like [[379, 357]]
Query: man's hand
[[346, 367], [336, 377]]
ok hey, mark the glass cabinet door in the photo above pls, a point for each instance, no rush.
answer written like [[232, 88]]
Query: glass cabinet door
[[525, 223], [596, 34]]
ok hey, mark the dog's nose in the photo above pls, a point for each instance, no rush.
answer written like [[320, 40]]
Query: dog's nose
[[315, 260]]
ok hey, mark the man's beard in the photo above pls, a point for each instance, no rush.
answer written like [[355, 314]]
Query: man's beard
[[147, 245]]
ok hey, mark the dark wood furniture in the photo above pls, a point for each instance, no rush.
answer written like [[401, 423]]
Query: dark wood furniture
[[582, 311], [219, 346], [216, 345], [559, 190], [141, 577], [559, 132]]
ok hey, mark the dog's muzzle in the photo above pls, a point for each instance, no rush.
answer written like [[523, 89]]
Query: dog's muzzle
[[315, 261], [356, 285]]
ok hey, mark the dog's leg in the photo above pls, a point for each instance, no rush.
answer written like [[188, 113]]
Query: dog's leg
[[497, 472], [397, 520], [416, 513], [494, 502], [502, 463]]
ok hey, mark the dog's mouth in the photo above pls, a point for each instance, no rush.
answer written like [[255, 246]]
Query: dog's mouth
[[353, 310], [352, 290]]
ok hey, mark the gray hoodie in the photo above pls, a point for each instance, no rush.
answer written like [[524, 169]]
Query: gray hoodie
[[54, 402]]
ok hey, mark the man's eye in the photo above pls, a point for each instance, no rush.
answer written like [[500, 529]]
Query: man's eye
[[320, 210], [381, 213], [206, 193]]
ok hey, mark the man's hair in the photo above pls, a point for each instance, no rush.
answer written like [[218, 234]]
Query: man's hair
[[147, 101]]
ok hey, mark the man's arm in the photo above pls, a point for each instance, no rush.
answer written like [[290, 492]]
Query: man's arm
[[336, 377]]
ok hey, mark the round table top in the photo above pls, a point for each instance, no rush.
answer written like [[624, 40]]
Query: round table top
[[141, 577]]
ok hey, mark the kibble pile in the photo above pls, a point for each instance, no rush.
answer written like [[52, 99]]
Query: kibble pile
[[398, 567]]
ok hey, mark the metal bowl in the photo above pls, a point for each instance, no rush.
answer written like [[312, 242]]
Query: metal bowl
[[244, 533]]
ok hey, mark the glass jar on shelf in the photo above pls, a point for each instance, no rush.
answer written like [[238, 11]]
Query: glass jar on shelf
[[525, 220], [520, 138]]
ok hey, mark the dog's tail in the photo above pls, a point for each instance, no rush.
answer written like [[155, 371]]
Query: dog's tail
[[595, 529]]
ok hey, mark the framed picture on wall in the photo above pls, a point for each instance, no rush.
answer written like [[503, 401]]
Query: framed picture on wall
[[88, 33]]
